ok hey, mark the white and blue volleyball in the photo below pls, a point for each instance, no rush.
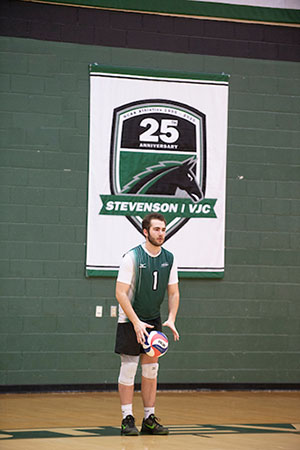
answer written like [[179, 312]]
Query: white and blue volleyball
[[156, 344]]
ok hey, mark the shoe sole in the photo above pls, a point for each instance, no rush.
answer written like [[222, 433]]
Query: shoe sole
[[130, 433], [165, 433]]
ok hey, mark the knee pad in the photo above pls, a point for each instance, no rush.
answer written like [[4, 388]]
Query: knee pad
[[128, 369], [150, 370]]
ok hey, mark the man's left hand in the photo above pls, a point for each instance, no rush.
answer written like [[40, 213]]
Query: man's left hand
[[169, 323]]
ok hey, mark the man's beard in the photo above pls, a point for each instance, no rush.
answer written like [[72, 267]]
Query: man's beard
[[153, 241]]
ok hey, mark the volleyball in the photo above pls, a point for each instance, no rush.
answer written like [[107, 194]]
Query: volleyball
[[156, 344]]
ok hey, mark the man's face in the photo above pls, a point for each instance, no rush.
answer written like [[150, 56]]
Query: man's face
[[157, 232]]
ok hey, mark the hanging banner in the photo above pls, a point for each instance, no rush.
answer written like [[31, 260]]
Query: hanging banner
[[157, 144]]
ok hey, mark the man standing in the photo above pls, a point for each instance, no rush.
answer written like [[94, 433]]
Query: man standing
[[146, 273]]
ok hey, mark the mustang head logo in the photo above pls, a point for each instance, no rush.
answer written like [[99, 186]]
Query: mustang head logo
[[167, 178]]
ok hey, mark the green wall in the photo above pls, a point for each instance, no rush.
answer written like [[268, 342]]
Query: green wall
[[242, 329]]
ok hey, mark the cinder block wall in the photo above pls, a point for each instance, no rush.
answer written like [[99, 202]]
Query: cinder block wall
[[242, 329]]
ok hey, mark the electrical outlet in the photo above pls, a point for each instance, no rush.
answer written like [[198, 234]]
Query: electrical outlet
[[99, 311], [113, 311]]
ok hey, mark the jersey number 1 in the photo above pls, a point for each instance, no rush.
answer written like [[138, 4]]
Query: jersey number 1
[[155, 280]]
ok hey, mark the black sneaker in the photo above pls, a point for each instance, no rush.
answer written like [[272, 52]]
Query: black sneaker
[[128, 427], [151, 426]]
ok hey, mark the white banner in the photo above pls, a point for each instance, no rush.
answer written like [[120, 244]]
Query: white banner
[[157, 144]]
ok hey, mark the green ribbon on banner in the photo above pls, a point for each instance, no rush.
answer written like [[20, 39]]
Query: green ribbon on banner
[[136, 205]]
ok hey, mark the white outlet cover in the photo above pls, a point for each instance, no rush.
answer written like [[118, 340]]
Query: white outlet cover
[[99, 311]]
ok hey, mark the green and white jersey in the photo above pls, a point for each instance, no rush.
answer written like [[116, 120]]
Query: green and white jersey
[[148, 277]]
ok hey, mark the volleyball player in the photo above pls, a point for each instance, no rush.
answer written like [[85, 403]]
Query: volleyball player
[[146, 273]]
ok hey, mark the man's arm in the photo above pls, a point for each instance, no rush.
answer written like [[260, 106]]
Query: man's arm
[[139, 326], [173, 299]]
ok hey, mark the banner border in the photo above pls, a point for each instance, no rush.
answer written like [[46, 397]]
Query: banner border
[[98, 68], [90, 273]]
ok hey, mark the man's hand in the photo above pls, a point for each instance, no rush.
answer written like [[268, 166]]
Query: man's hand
[[122, 290], [140, 329], [169, 323]]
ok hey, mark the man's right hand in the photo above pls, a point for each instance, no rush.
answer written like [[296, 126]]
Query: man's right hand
[[140, 329]]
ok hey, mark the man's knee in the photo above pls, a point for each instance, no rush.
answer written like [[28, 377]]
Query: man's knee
[[128, 369], [150, 370]]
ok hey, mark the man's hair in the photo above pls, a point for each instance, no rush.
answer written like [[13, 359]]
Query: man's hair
[[147, 220]]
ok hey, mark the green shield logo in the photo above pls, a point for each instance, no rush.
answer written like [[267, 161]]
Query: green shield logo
[[157, 162]]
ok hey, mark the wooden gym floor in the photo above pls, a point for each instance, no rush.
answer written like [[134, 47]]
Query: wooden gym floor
[[197, 420]]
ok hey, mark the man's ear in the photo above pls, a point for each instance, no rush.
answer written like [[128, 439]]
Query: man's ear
[[145, 232]]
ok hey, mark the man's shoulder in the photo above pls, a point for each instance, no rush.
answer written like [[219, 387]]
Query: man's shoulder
[[132, 255], [169, 255], [132, 251]]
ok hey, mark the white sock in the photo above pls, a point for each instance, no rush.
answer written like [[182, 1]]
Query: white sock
[[148, 410], [126, 410]]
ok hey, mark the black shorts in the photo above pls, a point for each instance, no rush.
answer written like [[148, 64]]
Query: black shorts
[[126, 342]]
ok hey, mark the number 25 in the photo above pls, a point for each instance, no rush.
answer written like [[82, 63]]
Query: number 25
[[168, 133]]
